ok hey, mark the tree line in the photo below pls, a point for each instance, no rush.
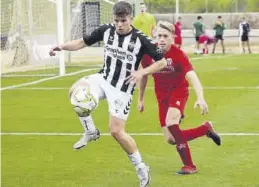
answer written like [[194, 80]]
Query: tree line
[[203, 6]]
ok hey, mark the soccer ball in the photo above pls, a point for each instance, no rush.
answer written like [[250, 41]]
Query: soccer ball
[[83, 101]]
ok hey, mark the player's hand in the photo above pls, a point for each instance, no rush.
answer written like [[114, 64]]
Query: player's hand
[[134, 77], [141, 106], [218, 23], [203, 106], [52, 50]]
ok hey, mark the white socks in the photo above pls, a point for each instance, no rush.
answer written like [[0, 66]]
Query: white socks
[[135, 158], [87, 124]]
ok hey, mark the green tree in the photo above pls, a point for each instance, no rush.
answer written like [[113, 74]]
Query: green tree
[[253, 5]]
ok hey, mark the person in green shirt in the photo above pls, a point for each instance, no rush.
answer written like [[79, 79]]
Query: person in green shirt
[[145, 22], [198, 30], [219, 28]]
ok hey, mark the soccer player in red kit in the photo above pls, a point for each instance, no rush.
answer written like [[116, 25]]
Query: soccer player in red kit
[[178, 33], [171, 88], [205, 40]]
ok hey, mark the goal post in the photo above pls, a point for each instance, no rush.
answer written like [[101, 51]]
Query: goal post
[[60, 30], [29, 28]]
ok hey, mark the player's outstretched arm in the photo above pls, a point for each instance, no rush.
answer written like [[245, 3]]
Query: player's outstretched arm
[[73, 45], [142, 88], [135, 76], [193, 78]]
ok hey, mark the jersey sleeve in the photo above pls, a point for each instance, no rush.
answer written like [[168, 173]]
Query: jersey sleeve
[[96, 35], [151, 49], [146, 61], [185, 63]]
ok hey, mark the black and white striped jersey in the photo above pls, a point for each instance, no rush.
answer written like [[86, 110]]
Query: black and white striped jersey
[[122, 53], [244, 28]]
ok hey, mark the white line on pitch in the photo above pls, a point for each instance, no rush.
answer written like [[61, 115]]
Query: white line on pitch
[[45, 79], [106, 134], [78, 72]]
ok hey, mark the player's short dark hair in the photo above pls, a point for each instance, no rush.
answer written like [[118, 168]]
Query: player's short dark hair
[[142, 3], [199, 17], [122, 8], [219, 17]]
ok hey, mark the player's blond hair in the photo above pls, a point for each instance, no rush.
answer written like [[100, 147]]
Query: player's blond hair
[[166, 25]]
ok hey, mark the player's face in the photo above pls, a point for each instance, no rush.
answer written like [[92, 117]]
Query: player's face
[[123, 24], [164, 39], [143, 8]]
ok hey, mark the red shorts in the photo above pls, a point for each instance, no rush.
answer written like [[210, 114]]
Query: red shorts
[[176, 99], [178, 40]]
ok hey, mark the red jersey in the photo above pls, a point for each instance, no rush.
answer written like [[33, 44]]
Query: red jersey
[[205, 38], [178, 29], [173, 76]]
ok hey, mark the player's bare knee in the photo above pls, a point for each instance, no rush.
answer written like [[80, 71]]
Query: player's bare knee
[[116, 132], [173, 116]]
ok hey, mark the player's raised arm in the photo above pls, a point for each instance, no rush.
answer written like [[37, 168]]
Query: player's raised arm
[[193, 78], [74, 45], [155, 67], [136, 76]]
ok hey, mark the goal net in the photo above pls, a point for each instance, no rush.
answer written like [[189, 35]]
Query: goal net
[[29, 28]]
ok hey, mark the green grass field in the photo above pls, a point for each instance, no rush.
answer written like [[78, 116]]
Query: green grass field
[[231, 85]]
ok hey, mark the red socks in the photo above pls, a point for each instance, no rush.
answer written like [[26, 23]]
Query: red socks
[[204, 51], [194, 133], [181, 145]]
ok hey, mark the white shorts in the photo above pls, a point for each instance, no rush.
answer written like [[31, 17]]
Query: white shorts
[[119, 102]]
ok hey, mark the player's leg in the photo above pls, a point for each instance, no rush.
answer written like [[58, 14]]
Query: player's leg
[[222, 44], [197, 45], [163, 108], [178, 41], [117, 130], [205, 48], [248, 45], [84, 96], [190, 134], [243, 43], [119, 108], [214, 44], [172, 123], [205, 129]]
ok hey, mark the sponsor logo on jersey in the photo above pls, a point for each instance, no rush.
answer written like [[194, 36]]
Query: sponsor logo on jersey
[[129, 57], [111, 38], [131, 45]]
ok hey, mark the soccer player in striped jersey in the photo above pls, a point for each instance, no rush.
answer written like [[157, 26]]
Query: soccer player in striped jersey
[[244, 30], [124, 47], [171, 89]]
